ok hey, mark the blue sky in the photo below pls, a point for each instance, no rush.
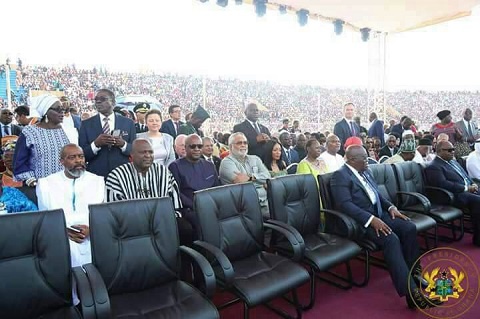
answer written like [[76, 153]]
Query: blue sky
[[187, 36]]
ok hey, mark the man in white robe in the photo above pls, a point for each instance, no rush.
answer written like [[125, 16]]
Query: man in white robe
[[73, 189], [331, 157]]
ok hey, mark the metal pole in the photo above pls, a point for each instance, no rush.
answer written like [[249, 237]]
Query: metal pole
[[7, 78], [318, 111], [384, 77], [204, 92]]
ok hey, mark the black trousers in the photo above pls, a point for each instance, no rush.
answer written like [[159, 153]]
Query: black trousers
[[400, 250]]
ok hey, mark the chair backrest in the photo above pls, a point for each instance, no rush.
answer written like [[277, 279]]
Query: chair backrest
[[383, 159], [326, 191], [410, 179], [294, 200], [385, 179], [35, 271], [134, 243], [230, 219], [372, 161]]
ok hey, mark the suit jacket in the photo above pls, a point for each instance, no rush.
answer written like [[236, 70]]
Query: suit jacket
[[463, 129], [386, 151], [216, 161], [246, 128], [440, 174], [139, 130], [343, 131], [294, 158], [376, 130], [352, 198], [169, 128], [14, 130], [107, 158], [77, 121]]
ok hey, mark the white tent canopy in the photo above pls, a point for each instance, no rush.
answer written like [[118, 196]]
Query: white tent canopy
[[383, 15]]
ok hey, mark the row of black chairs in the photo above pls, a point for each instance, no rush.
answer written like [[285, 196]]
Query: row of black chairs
[[136, 269]]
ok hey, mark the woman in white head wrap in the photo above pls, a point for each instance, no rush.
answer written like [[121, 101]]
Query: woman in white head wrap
[[473, 163], [37, 153]]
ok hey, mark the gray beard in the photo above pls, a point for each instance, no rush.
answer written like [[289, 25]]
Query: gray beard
[[75, 173]]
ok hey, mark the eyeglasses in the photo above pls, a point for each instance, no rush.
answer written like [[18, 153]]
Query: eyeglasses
[[59, 110], [450, 150], [101, 99], [241, 143], [194, 146]]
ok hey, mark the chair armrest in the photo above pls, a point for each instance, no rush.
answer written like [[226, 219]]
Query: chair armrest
[[439, 195], [342, 225], [99, 291], [84, 293], [225, 264], [427, 206], [208, 286], [292, 236]]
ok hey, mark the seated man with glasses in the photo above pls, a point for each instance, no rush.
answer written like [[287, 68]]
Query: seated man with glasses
[[356, 194], [444, 171], [106, 138], [193, 173], [239, 167]]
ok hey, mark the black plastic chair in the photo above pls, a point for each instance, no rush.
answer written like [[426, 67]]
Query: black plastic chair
[[388, 185], [35, 267], [294, 200], [410, 177], [232, 237], [135, 263]]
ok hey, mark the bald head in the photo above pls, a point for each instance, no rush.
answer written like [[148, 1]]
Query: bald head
[[357, 157], [70, 148]]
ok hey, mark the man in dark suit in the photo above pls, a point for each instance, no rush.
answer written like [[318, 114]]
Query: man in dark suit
[[7, 128], [398, 129], [289, 155], [468, 128], [207, 152], [256, 133], [376, 128], [347, 126], [106, 138], [356, 194], [390, 149], [447, 173], [172, 125], [140, 109]]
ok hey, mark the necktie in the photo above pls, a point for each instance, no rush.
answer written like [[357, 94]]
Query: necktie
[[377, 197], [210, 160], [460, 172], [177, 125], [352, 129], [256, 127], [288, 157], [106, 126], [470, 133], [6, 130]]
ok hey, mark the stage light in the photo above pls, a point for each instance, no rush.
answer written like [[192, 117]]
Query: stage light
[[302, 16], [261, 7], [222, 3], [282, 9], [338, 26], [365, 34]]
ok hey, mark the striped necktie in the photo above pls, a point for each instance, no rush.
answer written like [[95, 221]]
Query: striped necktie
[[106, 126]]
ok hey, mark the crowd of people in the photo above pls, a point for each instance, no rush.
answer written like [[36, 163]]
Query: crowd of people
[[316, 108], [147, 153]]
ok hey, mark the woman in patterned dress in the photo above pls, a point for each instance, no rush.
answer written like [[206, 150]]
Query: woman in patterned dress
[[37, 153]]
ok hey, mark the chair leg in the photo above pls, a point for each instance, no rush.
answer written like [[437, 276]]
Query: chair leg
[[311, 303], [246, 311], [367, 271]]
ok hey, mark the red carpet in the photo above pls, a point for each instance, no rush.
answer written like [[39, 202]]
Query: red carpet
[[378, 300]]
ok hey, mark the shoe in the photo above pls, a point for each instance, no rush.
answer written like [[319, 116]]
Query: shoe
[[417, 300]]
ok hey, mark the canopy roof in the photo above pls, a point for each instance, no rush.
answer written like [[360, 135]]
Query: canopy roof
[[382, 15]]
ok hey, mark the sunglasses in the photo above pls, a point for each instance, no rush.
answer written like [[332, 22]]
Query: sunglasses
[[450, 150], [101, 99], [194, 146], [59, 110]]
